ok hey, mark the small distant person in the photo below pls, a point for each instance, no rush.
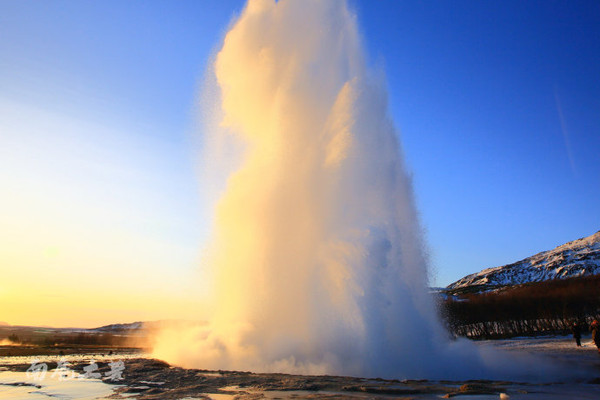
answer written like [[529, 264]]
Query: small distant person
[[596, 333], [576, 329]]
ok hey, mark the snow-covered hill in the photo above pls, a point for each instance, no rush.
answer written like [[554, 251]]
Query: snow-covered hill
[[142, 325], [577, 258], [133, 326]]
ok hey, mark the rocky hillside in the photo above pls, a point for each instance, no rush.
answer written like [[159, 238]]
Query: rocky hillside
[[574, 259]]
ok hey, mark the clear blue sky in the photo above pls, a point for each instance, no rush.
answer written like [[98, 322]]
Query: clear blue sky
[[474, 87], [498, 105]]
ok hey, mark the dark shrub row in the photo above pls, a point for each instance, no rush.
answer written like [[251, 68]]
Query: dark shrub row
[[527, 310]]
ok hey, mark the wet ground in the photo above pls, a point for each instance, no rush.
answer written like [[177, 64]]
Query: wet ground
[[145, 378]]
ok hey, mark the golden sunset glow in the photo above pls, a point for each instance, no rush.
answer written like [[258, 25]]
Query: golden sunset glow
[[78, 248]]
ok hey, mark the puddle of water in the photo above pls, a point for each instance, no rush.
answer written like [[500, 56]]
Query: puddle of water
[[209, 374], [17, 385], [195, 398], [12, 360], [215, 396]]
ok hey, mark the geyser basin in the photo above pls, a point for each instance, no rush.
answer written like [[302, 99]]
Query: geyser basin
[[316, 251]]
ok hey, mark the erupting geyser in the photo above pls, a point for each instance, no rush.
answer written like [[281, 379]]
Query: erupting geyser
[[316, 252]]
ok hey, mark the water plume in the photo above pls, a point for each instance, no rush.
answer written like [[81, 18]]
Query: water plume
[[316, 254]]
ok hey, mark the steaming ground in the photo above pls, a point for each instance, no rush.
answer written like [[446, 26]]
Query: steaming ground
[[316, 257], [144, 378]]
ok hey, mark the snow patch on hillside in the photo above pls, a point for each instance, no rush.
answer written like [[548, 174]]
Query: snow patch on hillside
[[573, 259]]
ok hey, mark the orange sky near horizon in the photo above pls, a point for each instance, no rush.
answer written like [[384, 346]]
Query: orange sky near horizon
[[91, 233]]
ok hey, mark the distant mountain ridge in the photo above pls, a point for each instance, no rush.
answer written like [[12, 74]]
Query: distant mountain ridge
[[140, 325], [577, 258], [121, 327]]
